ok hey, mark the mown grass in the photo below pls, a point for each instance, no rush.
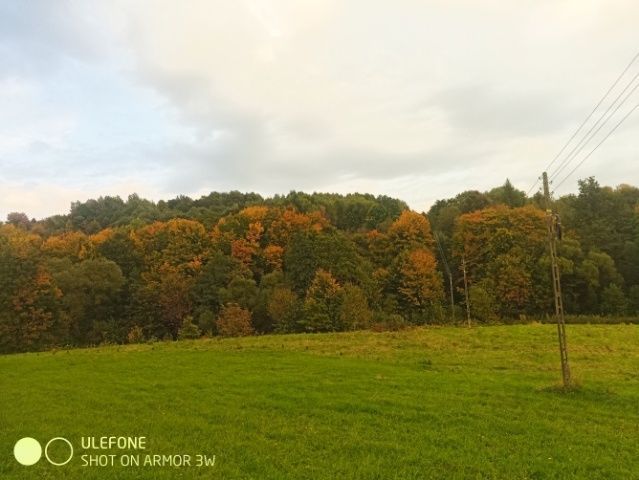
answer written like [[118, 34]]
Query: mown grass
[[437, 402]]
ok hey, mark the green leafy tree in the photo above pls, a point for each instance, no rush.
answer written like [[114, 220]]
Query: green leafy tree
[[206, 322], [19, 220], [285, 309], [241, 291], [322, 304], [214, 276], [332, 251], [262, 319], [633, 300], [189, 330], [508, 195], [482, 302], [355, 313], [161, 301], [613, 301]]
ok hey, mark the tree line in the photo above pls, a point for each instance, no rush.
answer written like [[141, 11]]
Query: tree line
[[115, 271]]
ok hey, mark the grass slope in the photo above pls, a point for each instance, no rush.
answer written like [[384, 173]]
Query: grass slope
[[425, 403]]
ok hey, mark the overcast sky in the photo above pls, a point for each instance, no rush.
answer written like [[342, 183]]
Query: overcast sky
[[410, 98]]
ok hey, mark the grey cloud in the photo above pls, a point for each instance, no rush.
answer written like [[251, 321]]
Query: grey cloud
[[245, 157], [247, 162], [491, 110], [239, 147], [36, 36]]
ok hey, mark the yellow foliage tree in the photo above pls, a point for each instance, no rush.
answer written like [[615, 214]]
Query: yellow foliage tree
[[411, 230], [420, 284]]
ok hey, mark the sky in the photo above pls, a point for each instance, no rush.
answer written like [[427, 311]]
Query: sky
[[415, 99]]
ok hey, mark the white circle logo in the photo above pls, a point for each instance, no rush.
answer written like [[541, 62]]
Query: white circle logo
[[27, 451], [46, 451]]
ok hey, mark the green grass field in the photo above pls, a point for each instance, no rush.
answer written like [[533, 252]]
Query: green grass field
[[424, 403]]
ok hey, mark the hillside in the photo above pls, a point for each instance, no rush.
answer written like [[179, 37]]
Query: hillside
[[437, 402], [114, 271]]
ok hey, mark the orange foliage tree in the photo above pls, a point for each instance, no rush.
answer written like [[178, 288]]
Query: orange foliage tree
[[410, 230], [74, 245], [234, 321], [28, 295], [419, 282], [504, 250]]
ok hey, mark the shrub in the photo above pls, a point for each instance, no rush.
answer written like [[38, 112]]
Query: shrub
[[189, 330], [354, 312], [285, 309], [135, 335], [613, 301], [206, 322], [385, 322], [633, 298], [234, 321], [482, 304]]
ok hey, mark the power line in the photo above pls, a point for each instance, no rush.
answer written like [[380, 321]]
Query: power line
[[587, 137], [450, 276], [586, 120], [533, 186], [598, 145], [441, 251]]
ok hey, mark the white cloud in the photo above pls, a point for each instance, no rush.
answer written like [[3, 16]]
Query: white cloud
[[415, 99], [409, 79], [25, 125], [40, 199]]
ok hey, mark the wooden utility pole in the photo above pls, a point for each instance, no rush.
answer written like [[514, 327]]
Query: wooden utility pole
[[556, 284], [466, 290], [450, 276]]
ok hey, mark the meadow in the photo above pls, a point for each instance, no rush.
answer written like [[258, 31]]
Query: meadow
[[431, 402]]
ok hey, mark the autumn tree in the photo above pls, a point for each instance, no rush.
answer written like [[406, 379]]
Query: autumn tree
[[234, 321], [274, 257], [73, 245], [410, 230], [291, 222], [178, 242], [419, 284], [116, 270], [505, 249], [29, 318]]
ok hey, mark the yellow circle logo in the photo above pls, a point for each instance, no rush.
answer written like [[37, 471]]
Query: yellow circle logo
[[27, 451], [58, 439]]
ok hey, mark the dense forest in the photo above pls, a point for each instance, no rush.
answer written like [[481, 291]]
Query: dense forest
[[116, 271]]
